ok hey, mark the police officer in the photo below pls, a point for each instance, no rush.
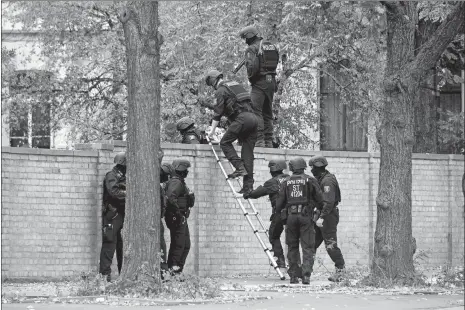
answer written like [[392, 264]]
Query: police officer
[[262, 59], [326, 224], [233, 101], [179, 202], [271, 188], [166, 171], [113, 207], [298, 195], [190, 134]]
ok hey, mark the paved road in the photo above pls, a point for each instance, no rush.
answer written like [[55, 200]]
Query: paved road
[[299, 301]]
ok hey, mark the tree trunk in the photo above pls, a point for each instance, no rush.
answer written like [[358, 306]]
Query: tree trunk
[[142, 223], [394, 245]]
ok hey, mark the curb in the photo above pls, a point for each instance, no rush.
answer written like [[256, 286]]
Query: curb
[[102, 299]]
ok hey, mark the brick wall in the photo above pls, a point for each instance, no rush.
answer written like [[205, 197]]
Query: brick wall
[[51, 205]]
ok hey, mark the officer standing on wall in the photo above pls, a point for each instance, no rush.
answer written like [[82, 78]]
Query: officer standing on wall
[[271, 188], [261, 61], [326, 224], [297, 197], [190, 134], [113, 207], [179, 202], [233, 101]]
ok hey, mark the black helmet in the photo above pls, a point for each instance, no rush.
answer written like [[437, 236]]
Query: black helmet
[[297, 164], [181, 164], [212, 76], [120, 159], [318, 161], [167, 169], [277, 165], [248, 32], [184, 123]]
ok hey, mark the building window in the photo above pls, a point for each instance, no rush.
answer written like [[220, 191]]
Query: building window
[[343, 127], [30, 109]]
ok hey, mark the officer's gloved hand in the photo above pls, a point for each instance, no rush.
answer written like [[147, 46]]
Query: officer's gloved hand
[[246, 195], [319, 223]]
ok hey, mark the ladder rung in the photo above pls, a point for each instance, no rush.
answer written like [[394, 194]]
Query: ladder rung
[[251, 213]]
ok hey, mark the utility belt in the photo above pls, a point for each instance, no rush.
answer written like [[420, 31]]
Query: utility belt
[[236, 113], [298, 209]]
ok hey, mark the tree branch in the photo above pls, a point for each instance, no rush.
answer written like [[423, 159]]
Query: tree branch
[[389, 5], [432, 50]]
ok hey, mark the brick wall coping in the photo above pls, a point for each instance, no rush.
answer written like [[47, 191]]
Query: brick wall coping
[[295, 152], [91, 149], [52, 152]]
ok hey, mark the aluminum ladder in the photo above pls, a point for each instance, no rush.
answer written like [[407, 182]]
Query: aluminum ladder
[[247, 213]]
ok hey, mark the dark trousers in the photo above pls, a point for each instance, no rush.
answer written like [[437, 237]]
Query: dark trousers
[[180, 242], [300, 228], [110, 246], [275, 231], [262, 94], [244, 128], [328, 234]]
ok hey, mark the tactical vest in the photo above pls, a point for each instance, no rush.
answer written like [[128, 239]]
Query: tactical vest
[[240, 102], [269, 58], [106, 197], [274, 196], [297, 190], [191, 137], [182, 199]]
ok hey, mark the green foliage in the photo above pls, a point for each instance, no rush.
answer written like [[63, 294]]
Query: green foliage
[[84, 46], [451, 131]]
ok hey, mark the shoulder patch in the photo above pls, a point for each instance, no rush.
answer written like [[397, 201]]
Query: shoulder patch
[[326, 189], [192, 137]]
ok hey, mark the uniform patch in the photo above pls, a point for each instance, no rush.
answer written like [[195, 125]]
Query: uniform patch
[[326, 189], [192, 137]]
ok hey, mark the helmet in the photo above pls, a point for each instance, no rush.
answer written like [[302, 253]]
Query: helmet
[[277, 165], [120, 159], [248, 32], [318, 161], [184, 123], [181, 164], [212, 76], [167, 169], [297, 164]]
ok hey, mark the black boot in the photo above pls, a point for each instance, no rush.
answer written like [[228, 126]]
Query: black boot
[[306, 280], [294, 280], [337, 276], [239, 172]]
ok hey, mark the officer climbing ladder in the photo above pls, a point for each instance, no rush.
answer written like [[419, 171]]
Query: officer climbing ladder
[[246, 214]]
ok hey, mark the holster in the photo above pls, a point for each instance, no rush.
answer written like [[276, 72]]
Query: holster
[[107, 233], [316, 215], [284, 215]]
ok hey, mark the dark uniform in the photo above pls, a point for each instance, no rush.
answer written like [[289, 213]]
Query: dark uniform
[[298, 195], [233, 101], [113, 210], [179, 202], [193, 136], [330, 213], [166, 170], [262, 58], [190, 134], [271, 188]]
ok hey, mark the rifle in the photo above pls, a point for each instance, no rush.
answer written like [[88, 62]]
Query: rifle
[[239, 66]]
